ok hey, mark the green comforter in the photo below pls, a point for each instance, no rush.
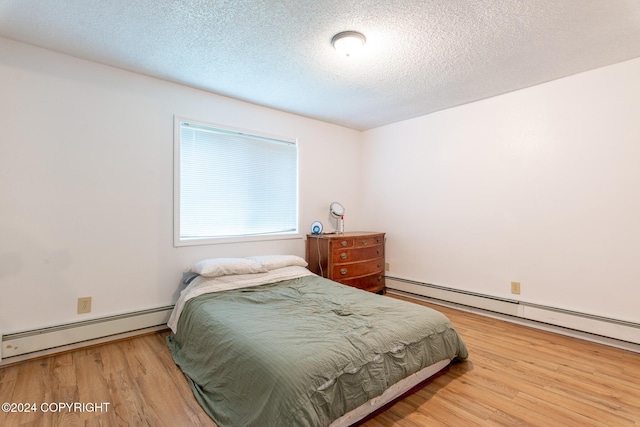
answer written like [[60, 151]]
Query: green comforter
[[302, 352]]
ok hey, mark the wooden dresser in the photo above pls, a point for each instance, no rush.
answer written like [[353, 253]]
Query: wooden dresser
[[355, 258]]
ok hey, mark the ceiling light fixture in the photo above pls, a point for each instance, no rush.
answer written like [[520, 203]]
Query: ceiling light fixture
[[348, 42]]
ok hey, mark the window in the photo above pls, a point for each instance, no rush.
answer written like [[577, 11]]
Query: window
[[233, 185]]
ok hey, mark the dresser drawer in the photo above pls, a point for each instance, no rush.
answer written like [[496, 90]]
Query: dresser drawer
[[374, 283], [342, 255], [365, 241], [343, 271], [342, 243]]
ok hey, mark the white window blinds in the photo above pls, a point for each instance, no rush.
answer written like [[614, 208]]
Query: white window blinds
[[235, 184]]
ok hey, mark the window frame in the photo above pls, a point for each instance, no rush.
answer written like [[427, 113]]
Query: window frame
[[178, 241]]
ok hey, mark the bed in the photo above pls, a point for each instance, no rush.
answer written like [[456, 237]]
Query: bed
[[265, 342]]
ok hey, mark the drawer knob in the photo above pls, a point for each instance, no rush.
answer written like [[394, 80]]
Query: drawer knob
[[343, 255], [343, 271], [364, 242], [379, 278], [379, 265], [343, 243], [378, 251]]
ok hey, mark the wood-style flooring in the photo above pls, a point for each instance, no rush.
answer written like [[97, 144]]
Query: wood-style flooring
[[515, 376]]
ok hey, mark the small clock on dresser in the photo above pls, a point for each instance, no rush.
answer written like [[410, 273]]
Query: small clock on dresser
[[354, 258]]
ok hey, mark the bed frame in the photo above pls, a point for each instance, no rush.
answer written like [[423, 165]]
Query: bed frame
[[398, 391]]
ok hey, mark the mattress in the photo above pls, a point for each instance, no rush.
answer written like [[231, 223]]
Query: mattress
[[302, 351]]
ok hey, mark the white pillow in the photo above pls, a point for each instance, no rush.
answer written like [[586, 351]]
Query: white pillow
[[216, 267], [271, 262]]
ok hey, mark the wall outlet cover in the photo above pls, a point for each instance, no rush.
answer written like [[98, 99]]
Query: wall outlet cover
[[515, 288], [84, 305]]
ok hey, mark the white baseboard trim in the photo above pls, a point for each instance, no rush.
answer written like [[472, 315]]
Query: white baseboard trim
[[504, 306], [603, 330], [40, 342]]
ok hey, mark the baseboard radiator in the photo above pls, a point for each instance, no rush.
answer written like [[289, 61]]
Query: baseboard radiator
[[39, 342], [614, 332]]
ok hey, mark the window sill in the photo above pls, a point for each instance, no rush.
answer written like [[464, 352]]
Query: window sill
[[234, 239]]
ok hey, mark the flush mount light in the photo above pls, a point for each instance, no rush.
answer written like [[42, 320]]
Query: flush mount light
[[348, 42]]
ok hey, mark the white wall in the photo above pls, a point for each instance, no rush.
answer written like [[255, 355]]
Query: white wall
[[86, 179], [540, 186]]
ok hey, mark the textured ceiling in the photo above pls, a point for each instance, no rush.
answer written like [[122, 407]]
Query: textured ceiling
[[420, 57]]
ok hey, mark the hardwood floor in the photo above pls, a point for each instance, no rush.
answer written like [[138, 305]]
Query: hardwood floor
[[515, 376]]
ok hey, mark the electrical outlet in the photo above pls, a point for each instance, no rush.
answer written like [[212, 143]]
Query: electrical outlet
[[387, 266], [84, 305], [515, 288]]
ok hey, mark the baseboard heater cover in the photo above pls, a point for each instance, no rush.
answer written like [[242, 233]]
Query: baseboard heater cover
[[470, 299], [37, 340], [597, 325]]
